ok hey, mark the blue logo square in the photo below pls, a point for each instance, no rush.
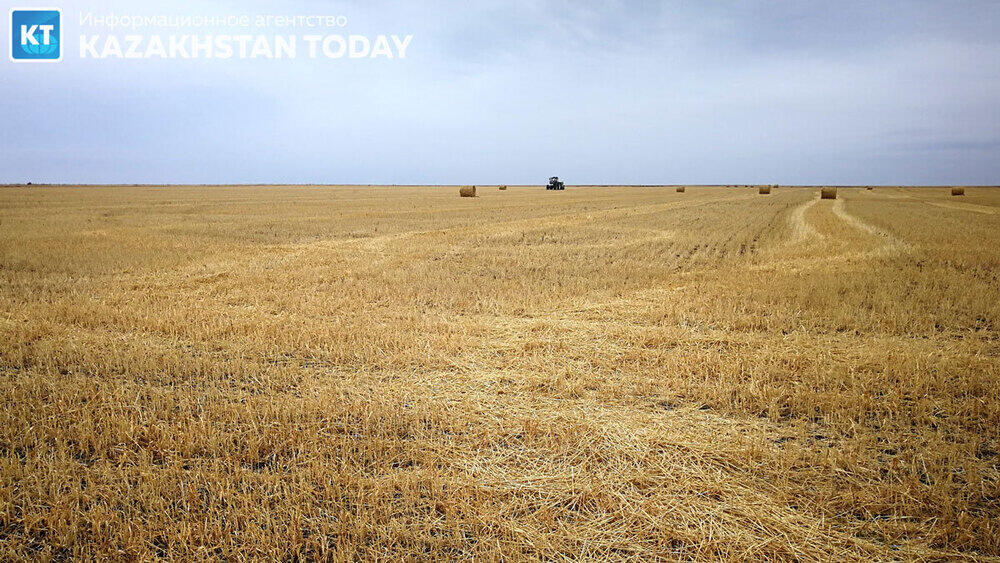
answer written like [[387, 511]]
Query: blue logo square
[[35, 35]]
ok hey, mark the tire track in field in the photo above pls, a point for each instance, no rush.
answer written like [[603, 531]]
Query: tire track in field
[[809, 248], [891, 241], [801, 229]]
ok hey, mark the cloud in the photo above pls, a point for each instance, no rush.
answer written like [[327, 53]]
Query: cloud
[[631, 92]]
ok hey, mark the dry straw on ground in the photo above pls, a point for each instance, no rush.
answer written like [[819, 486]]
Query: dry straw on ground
[[467, 191], [377, 373], [828, 193], [957, 190]]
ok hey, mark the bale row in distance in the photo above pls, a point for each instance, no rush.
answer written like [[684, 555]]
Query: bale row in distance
[[467, 191], [828, 193]]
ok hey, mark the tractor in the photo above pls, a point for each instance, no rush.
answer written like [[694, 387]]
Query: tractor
[[555, 184]]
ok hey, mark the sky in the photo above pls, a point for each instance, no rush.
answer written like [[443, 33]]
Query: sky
[[788, 92]]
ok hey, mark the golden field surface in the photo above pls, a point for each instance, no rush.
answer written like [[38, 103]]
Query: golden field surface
[[401, 373]]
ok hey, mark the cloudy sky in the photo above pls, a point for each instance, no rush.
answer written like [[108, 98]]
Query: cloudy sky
[[515, 91]]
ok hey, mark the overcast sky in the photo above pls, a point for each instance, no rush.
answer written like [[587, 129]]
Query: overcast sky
[[513, 92]]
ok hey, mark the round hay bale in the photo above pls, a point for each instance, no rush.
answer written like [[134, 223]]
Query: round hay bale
[[680, 189], [467, 191], [828, 193], [869, 188], [957, 191], [764, 190], [503, 187]]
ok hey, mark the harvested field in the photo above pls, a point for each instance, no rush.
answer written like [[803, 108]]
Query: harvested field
[[391, 372]]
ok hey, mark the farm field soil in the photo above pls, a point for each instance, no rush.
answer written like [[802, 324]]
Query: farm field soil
[[398, 372]]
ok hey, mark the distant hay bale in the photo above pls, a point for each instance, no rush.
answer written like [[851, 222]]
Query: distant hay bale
[[467, 191], [764, 189], [957, 191], [869, 188], [503, 187], [680, 189], [828, 193]]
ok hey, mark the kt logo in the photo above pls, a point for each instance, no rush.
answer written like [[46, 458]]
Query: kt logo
[[35, 35]]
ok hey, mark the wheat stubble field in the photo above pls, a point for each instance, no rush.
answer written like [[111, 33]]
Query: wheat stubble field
[[400, 373]]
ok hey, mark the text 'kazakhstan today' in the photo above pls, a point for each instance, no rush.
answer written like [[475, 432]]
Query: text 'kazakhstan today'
[[243, 46]]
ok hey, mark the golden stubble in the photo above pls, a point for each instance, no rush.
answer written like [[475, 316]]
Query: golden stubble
[[398, 372]]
